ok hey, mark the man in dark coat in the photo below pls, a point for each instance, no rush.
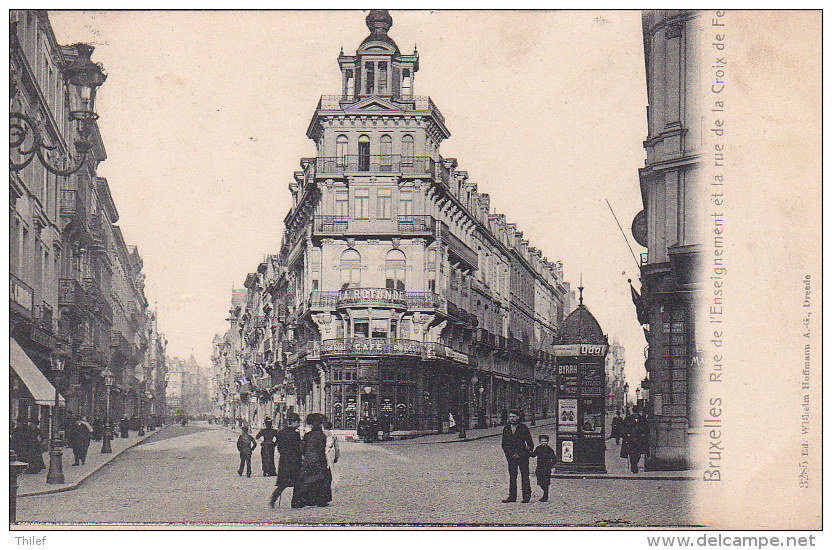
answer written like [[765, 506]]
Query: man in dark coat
[[245, 446], [269, 436], [80, 440], [288, 467], [314, 486], [124, 427], [517, 445], [635, 438], [617, 427]]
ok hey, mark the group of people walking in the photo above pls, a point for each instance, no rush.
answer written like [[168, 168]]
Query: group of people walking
[[631, 432], [305, 463]]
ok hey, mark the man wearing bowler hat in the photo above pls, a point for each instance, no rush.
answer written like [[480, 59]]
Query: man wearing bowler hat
[[517, 445]]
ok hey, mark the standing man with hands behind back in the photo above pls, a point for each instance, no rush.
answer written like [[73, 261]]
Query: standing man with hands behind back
[[517, 445]]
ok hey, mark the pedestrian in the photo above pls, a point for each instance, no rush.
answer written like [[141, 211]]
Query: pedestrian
[[617, 427], [517, 445], [635, 438], [504, 416], [26, 441], [269, 436], [451, 422], [545, 461], [80, 434], [97, 429], [315, 483], [245, 445], [288, 466], [333, 453], [124, 426]]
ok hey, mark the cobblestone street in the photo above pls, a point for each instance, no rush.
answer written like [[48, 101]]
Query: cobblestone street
[[188, 475]]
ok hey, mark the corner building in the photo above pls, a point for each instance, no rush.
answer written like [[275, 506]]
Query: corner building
[[671, 228], [407, 300]]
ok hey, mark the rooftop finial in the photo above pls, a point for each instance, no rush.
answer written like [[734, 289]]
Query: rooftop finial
[[379, 21], [581, 291]]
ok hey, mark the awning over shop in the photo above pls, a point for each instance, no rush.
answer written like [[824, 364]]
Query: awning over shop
[[34, 380]]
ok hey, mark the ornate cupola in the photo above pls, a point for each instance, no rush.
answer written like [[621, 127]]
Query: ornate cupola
[[378, 68]]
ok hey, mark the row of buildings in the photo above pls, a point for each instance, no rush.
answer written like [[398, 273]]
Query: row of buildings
[[398, 294], [79, 317], [188, 389]]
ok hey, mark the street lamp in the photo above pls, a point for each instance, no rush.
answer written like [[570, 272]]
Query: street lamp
[[463, 413], [141, 414], [626, 396], [109, 378], [56, 472], [25, 138], [149, 395]]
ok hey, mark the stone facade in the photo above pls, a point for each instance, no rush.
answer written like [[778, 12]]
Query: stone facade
[[670, 227]]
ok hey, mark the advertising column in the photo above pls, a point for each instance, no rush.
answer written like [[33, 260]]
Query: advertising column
[[580, 408]]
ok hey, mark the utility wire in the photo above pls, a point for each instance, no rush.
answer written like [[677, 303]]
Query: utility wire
[[623, 234]]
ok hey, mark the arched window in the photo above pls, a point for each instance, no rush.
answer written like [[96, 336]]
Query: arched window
[[363, 154], [394, 268], [350, 269], [407, 149], [386, 161], [341, 150]]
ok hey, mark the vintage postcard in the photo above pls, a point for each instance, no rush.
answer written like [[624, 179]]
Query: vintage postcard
[[416, 269]]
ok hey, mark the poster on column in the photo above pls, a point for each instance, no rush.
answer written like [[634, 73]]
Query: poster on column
[[568, 415]]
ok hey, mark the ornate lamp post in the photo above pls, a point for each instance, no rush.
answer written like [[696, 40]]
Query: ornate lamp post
[[109, 378], [626, 396], [26, 140], [141, 413], [56, 472], [149, 395], [463, 413]]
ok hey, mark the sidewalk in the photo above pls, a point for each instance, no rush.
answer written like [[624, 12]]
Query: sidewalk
[[35, 484]]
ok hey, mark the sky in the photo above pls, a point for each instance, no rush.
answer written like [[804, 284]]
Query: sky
[[204, 116]]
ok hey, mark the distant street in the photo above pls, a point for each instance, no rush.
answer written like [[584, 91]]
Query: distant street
[[188, 475]]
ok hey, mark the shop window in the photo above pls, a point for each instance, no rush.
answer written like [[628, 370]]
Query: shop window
[[361, 329], [379, 328]]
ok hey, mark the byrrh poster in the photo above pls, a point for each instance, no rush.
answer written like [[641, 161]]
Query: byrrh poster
[[310, 270]]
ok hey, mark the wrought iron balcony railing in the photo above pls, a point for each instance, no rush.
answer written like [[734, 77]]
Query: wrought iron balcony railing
[[383, 164], [417, 225], [72, 205]]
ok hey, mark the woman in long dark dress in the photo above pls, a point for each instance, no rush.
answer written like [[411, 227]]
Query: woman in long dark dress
[[315, 485]]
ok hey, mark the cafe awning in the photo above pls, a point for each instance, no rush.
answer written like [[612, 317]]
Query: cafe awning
[[41, 389]]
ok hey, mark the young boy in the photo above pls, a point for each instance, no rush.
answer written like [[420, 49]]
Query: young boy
[[545, 460], [245, 444]]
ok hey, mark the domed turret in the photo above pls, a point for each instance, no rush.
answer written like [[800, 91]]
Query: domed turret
[[581, 326], [379, 22]]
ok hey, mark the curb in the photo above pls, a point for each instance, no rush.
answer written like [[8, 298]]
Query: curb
[[74, 485], [412, 442], [634, 477]]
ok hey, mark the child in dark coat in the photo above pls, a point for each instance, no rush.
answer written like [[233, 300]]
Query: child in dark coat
[[245, 445], [545, 461]]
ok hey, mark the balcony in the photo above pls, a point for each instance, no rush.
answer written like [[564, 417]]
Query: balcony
[[100, 242], [20, 295], [458, 249], [424, 300], [375, 164], [412, 103], [417, 226], [381, 297], [72, 294], [72, 205], [119, 343], [370, 346], [43, 315]]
